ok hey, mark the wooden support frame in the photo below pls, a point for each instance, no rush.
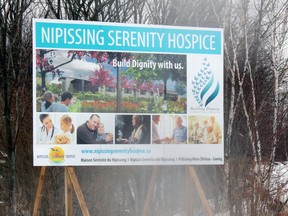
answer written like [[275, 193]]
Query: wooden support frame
[[194, 179], [150, 190], [70, 181], [39, 191], [199, 190], [78, 191], [68, 194]]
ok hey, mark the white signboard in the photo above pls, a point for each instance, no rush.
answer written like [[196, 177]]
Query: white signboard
[[124, 94]]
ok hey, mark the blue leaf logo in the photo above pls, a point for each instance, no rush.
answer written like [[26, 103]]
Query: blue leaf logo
[[205, 86]]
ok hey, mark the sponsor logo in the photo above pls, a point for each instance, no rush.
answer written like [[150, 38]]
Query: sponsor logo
[[56, 155]]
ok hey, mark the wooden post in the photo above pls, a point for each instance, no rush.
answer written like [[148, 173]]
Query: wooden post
[[199, 190], [189, 194], [150, 190], [39, 191], [78, 191], [194, 179], [70, 180], [68, 194]]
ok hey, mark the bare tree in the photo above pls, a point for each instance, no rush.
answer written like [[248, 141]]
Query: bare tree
[[255, 67], [15, 55], [251, 65]]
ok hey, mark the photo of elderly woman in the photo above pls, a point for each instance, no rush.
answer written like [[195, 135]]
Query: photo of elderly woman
[[132, 129]]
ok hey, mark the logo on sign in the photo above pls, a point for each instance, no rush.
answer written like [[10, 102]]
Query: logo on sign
[[56, 155], [205, 86]]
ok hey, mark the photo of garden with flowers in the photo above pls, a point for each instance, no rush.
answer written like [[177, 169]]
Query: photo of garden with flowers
[[113, 82]]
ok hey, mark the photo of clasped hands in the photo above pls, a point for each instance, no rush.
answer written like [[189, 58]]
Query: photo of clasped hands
[[168, 140], [178, 131]]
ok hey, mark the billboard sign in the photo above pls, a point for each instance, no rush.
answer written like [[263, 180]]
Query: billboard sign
[[126, 94]]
